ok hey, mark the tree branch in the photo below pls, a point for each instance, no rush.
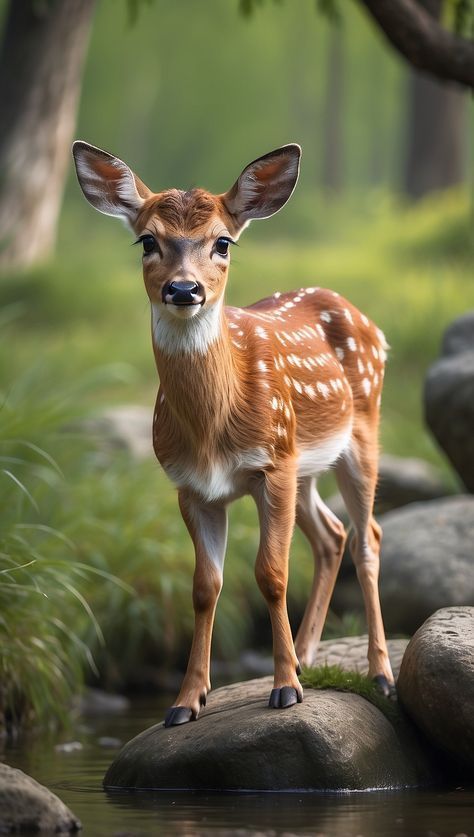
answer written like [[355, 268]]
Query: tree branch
[[422, 41]]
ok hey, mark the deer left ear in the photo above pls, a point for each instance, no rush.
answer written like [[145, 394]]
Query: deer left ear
[[108, 183], [264, 185]]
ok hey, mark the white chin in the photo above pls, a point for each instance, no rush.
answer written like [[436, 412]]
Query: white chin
[[183, 312]]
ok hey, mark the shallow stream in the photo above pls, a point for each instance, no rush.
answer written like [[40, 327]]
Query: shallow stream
[[76, 776]]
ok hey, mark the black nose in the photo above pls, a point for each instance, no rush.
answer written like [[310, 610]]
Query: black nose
[[182, 291]]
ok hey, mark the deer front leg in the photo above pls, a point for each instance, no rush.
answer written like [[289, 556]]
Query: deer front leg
[[207, 525], [276, 499]]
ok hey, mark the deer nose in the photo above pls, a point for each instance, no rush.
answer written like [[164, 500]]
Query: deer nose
[[182, 292]]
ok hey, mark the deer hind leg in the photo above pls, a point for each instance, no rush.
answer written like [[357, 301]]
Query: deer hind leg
[[275, 497], [327, 537], [207, 525], [356, 474]]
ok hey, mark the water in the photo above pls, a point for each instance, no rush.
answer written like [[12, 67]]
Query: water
[[76, 777]]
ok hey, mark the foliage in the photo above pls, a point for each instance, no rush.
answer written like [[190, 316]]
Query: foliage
[[43, 609], [334, 677]]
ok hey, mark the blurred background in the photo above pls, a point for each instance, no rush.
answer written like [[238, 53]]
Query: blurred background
[[95, 565]]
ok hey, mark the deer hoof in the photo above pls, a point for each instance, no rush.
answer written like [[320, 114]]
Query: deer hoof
[[387, 689], [179, 715], [286, 696]]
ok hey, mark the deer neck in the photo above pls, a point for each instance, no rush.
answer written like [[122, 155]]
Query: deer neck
[[198, 369]]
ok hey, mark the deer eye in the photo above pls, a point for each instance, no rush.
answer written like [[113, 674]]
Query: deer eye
[[222, 246], [149, 244]]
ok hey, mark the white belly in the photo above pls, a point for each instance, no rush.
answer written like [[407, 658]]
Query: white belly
[[224, 479], [314, 460]]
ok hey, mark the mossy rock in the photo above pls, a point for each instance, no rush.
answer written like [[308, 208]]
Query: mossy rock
[[332, 741]]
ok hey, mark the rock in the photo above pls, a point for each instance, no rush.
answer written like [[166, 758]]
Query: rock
[[127, 427], [25, 805], [332, 741], [402, 480], [449, 397], [426, 563], [68, 747], [350, 653], [98, 702], [436, 683]]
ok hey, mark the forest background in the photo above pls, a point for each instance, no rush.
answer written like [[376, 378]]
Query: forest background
[[95, 565]]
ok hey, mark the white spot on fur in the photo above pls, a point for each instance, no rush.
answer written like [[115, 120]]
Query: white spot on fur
[[325, 316], [366, 386], [351, 344], [360, 366], [340, 352], [262, 366], [323, 389], [348, 316], [260, 332]]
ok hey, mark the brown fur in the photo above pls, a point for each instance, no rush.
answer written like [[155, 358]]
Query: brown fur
[[292, 376]]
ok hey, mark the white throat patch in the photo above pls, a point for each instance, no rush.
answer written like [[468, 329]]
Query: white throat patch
[[173, 335]]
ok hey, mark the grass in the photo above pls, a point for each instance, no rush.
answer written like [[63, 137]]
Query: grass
[[79, 328], [334, 677]]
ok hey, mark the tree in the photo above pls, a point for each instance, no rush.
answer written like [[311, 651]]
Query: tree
[[415, 34], [422, 40], [436, 123], [41, 58]]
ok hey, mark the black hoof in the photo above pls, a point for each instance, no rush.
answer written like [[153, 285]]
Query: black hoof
[[178, 715], [387, 689], [286, 696]]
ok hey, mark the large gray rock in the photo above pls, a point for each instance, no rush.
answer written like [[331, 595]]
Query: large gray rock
[[332, 741], [25, 805], [402, 480], [427, 562], [449, 397], [436, 683]]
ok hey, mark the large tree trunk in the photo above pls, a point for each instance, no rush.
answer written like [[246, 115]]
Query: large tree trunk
[[41, 60], [436, 130]]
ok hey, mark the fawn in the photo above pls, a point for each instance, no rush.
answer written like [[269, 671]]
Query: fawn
[[256, 400]]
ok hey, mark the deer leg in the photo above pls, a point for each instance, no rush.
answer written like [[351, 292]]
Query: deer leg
[[207, 525], [327, 537], [356, 474], [276, 499]]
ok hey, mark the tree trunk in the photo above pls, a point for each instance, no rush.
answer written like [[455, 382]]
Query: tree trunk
[[332, 174], [41, 59], [436, 153]]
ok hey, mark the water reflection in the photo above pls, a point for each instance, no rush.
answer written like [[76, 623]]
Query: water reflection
[[76, 776]]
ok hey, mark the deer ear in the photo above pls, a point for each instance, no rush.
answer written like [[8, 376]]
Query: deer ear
[[108, 183], [264, 185]]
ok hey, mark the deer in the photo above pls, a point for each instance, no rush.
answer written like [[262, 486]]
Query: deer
[[257, 400]]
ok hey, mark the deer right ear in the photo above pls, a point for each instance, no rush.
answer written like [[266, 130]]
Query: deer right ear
[[108, 183], [264, 185]]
